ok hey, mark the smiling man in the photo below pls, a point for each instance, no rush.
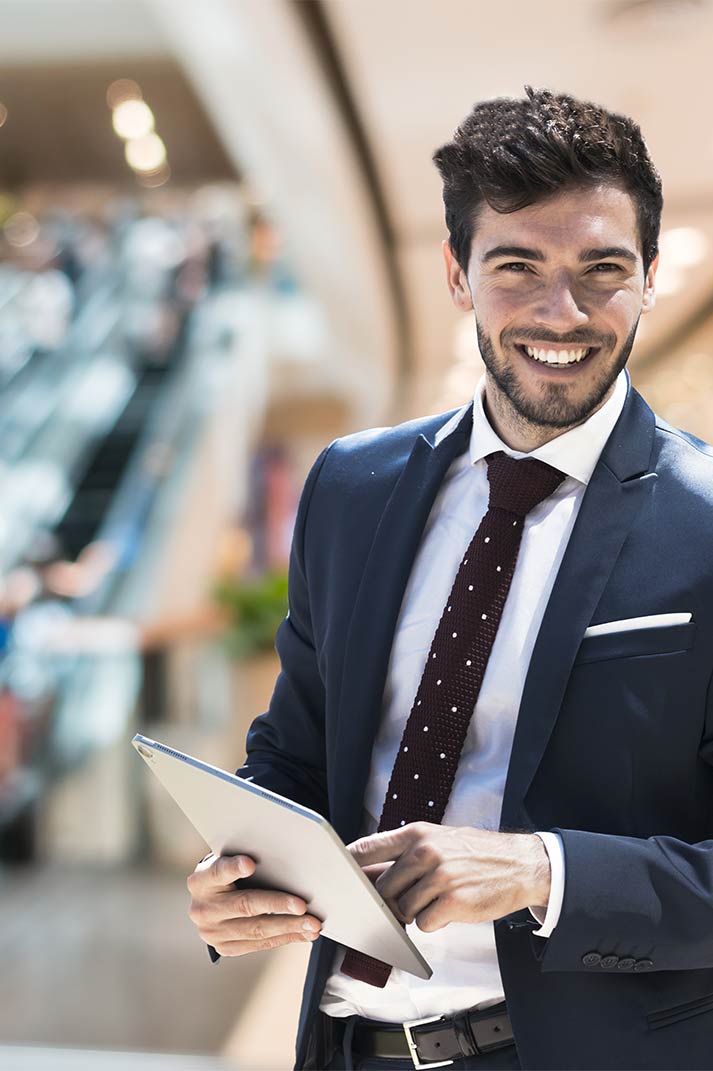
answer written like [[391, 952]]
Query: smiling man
[[558, 295], [496, 668]]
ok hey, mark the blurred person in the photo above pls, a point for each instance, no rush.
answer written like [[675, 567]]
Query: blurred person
[[496, 666]]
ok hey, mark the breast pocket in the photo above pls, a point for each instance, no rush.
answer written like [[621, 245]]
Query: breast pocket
[[637, 643]]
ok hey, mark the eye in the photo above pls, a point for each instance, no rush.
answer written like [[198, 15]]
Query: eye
[[513, 264], [615, 267]]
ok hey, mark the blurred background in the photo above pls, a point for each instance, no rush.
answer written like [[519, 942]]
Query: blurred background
[[219, 249]]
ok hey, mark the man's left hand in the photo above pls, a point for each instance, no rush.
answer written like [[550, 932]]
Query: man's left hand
[[441, 874]]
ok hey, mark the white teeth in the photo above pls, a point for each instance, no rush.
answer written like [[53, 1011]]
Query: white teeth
[[557, 356]]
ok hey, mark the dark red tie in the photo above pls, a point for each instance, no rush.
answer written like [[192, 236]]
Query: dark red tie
[[428, 756]]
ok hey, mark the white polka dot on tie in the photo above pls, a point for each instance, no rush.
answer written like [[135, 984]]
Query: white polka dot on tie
[[483, 617], [454, 635], [514, 523], [405, 749], [433, 656], [438, 682], [470, 587], [415, 777], [465, 562], [430, 803], [468, 662], [487, 539], [443, 754], [449, 609], [403, 821], [454, 710], [419, 703], [394, 797], [498, 568], [425, 728]]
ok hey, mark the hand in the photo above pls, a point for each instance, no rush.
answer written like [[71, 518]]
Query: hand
[[441, 874], [237, 921]]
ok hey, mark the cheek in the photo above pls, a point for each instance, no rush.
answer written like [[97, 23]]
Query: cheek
[[495, 309], [615, 300]]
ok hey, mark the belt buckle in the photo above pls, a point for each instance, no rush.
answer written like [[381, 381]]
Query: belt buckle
[[407, 1027]]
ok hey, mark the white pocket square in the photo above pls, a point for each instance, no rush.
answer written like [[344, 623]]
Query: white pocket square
[[628, 623]]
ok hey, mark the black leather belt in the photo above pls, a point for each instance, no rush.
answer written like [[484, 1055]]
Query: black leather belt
[[437, 1041]]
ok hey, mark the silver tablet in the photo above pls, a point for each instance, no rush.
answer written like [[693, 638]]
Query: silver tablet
[[295, 849]]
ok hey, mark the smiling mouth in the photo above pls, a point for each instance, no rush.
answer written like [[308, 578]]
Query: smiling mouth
[[557, 358]]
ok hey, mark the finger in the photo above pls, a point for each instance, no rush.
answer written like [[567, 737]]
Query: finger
[[215, 873], [414, 901], [382, 847], [434, 917], [247, 903], [242, 948], [401, 876], [374, 871], [260, 928]]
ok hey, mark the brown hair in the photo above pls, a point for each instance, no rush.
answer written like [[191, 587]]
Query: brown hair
[[511, 153]]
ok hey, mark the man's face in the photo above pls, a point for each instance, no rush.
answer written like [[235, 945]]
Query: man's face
[[561, 276]]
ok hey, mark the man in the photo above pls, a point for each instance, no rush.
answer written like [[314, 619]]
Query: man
[[567, 531]]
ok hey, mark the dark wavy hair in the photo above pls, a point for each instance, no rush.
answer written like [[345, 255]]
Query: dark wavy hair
[[512, 153]]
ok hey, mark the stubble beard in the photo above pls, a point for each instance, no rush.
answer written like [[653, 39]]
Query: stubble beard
[[552, 407]]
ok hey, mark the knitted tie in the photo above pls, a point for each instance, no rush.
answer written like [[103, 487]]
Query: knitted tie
[[428, 756]]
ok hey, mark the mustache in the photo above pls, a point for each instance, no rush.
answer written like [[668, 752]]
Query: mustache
[[543, 340]]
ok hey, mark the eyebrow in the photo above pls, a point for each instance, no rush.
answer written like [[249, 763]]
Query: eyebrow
[[586, 257]]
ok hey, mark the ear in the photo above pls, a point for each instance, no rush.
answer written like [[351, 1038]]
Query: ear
[[456, 279], [649, 298]]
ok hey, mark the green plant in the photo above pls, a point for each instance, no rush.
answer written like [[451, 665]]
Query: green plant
[[256, 607]]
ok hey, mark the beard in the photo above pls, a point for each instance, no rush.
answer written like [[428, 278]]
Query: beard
[[555, 405]]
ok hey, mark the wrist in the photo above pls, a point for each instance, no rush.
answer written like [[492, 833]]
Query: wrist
[[538, 880]]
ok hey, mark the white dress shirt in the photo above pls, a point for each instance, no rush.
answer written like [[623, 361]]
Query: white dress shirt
[[463, 956]]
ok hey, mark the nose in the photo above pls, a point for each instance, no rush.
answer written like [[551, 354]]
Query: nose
[[559, 307]]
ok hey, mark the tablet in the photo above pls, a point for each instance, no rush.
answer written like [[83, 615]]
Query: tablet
[[295, 849]]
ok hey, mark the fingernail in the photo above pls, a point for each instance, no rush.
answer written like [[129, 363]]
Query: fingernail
[[309, 925], [295, 907]]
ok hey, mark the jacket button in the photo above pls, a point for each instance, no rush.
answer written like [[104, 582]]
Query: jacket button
[[626, 963], [591, 959], [609, 961], [643, 965]]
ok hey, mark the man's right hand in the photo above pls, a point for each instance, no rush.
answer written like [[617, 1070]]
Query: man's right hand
[[236, 921]]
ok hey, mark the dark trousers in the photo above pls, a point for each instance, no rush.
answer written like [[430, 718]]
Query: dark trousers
[[339, 1041]]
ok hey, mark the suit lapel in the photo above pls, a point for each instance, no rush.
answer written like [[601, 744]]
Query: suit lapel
[[619, 487], [376, 609]]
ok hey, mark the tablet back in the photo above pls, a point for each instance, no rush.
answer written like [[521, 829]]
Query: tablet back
[[295, 849]]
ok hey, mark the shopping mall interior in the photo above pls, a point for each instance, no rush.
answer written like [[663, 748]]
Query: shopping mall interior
[[220, 233]]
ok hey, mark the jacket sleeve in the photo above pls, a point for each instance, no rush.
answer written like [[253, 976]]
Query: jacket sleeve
[[286, 746], [649, 901]]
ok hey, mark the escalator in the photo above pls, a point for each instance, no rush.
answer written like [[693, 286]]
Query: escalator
[[107, 466]]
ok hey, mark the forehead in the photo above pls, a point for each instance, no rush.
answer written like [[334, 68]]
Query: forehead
[[568, 221]]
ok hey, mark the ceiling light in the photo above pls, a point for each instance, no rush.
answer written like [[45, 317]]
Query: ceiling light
[[152, 179], [132, 119], [121, 90], [145, 154]]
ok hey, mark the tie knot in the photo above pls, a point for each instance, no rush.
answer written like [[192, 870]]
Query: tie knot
[[519, 484]]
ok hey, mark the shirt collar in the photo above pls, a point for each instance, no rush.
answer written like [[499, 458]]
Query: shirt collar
[[575, 452]]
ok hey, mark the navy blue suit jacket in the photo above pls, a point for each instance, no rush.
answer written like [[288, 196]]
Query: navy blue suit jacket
[[613, 748]]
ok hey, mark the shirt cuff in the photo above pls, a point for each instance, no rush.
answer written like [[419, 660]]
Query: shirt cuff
[[548, 917]]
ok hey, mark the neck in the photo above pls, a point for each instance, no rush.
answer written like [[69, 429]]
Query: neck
[[515, 430]]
